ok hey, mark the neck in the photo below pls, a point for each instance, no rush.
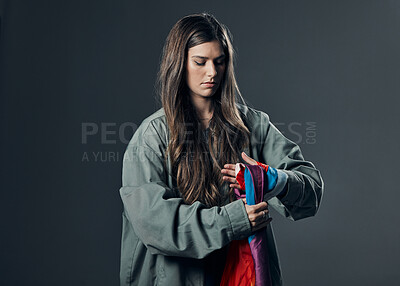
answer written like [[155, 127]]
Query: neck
[[203, 106]]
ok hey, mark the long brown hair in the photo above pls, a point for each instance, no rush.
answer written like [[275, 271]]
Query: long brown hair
[[197, 163]]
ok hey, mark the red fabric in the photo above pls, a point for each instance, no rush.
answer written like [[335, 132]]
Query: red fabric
[[240, 178], [263, 165], [239, 268]]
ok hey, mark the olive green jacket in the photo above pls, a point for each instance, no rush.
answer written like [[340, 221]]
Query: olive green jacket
[[167, 242]]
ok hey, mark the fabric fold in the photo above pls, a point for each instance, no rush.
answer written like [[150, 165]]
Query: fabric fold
[[238, 271]]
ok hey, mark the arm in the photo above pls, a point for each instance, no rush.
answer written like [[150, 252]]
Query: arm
[[160, 218], [301, 194]]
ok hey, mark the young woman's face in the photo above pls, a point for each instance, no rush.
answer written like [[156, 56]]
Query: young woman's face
[[205, 63]]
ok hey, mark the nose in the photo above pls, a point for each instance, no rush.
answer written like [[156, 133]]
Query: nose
[[212, 70]]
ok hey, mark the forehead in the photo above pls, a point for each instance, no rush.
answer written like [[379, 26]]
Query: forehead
[[207, 49]]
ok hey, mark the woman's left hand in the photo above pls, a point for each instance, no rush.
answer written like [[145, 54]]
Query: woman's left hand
[[229, 171]]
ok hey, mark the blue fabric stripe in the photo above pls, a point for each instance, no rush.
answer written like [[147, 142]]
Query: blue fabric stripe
[[250, 195], [272, 178]]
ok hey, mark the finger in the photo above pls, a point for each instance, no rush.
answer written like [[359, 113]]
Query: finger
[[230, 166], [260, 206], [262, 225], [254, 216], [265, 222], [262, 215], [228, 172], [259, 217], [248, 159], [229, 179], [237, 186]]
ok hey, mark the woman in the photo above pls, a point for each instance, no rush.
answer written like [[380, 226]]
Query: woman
[[180, 214]]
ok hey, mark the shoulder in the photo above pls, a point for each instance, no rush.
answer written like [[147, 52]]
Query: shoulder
[[152, 132], [257, 121], [251, 114]]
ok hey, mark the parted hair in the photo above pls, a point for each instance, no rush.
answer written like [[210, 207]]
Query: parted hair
[[196, 161]]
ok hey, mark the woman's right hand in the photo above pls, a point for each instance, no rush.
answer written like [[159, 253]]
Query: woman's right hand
[[258, 215]]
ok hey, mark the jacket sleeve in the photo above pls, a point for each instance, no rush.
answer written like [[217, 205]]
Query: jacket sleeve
[[160, 218], [302, 193]]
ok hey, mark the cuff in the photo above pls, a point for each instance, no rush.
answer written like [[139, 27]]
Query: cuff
[[280, 185], [238, 219], [292, 194]]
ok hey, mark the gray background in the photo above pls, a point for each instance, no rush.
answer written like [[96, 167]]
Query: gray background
[[333, 65]]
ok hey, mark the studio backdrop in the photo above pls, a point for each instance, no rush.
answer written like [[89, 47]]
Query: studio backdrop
[[77, 79]]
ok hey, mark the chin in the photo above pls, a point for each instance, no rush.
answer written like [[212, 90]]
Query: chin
[[209, 95], [213, 92], [206, 94]]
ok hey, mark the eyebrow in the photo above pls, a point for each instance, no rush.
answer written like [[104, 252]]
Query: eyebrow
[[201, 57]]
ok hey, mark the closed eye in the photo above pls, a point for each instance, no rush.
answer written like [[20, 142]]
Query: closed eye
[[202, 64]]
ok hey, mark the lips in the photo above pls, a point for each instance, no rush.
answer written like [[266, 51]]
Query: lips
[[209, 84]]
